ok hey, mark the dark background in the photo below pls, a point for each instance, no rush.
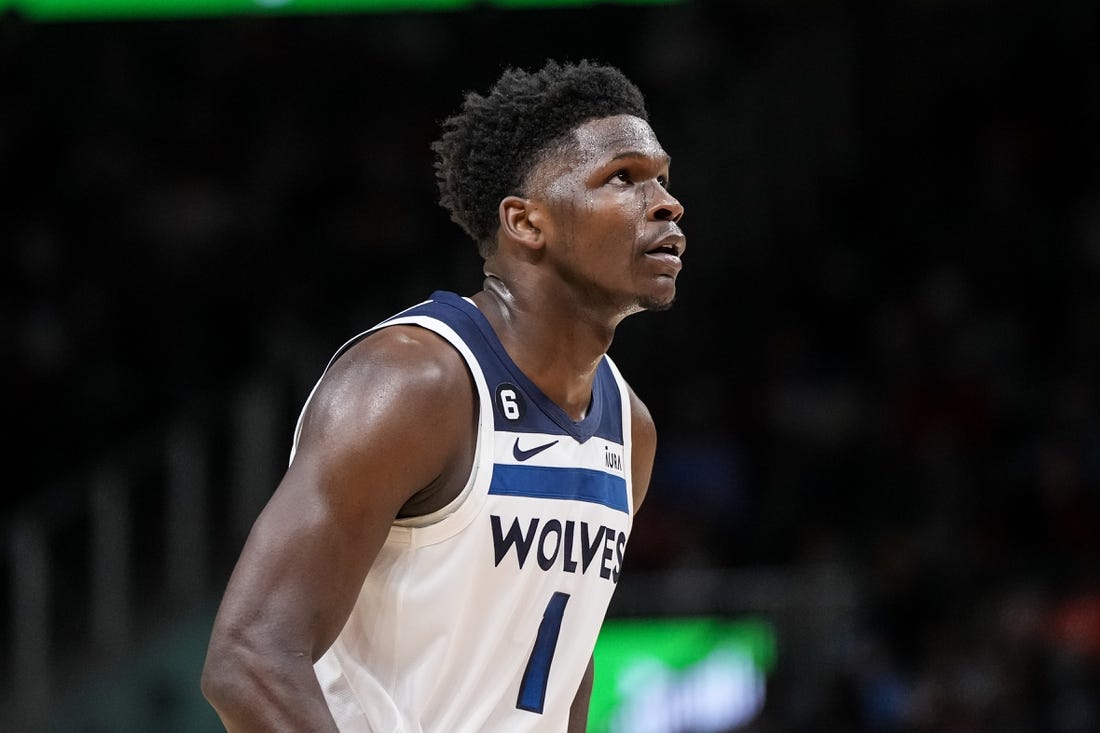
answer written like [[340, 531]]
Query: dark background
[[885, 354]]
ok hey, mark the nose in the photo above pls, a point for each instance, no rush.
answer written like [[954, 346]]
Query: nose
[[665, 207]]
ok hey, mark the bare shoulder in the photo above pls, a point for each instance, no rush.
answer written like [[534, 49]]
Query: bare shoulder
[[395, 365], [397, 406], [389, 421], [643, 435]]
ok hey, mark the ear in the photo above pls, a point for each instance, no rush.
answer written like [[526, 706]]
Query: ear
[[519, 219]]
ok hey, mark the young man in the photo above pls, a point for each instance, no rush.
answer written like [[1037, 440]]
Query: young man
[[440, 553]]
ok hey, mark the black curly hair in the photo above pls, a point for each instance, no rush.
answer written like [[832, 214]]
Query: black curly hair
[[488, 148]]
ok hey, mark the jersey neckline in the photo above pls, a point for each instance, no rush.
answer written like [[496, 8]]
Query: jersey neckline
[[582, 429]]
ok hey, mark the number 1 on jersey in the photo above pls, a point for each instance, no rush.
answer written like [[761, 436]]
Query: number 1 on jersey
[[532, 688]]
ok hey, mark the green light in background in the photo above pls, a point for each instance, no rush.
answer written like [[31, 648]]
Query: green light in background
[[662, 675], [104, 9]]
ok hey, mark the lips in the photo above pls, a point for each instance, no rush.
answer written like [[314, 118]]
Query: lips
[[672, 244], [667, 250]]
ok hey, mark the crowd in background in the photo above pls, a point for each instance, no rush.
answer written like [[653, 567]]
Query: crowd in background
[[886, 352]]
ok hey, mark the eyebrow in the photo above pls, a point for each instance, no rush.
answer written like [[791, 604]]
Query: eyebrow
[[663, 159]]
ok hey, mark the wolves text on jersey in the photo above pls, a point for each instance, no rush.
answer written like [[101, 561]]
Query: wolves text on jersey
[[571, 545]]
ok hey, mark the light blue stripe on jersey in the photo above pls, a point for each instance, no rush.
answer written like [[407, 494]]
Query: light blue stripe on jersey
[[544, 482]]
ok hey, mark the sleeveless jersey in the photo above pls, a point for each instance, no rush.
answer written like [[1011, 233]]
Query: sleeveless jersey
[[483, 616]]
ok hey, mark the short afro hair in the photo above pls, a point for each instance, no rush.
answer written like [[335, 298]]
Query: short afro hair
[[488, 148]]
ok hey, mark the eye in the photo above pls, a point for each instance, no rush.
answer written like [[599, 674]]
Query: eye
[[622, 175], [663, 180]]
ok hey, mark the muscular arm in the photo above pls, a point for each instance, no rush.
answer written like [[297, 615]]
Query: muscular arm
[[362, 455]]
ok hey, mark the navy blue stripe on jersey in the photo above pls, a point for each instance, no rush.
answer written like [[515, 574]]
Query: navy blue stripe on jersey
[[603, 418], [545, 482]]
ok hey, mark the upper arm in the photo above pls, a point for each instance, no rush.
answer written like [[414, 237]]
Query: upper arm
[[362, 453], [643, 448]]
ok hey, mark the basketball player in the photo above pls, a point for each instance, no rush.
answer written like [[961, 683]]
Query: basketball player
[[441, 551]]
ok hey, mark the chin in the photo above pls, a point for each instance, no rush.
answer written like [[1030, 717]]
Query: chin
[[657, 304]]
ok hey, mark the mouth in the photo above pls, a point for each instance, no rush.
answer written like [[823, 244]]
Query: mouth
[[667, 251], [672, 245]]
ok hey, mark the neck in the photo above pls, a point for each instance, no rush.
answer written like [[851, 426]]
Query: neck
[[556, 344]]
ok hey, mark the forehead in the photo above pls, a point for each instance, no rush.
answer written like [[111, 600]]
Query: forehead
[[607, 137]]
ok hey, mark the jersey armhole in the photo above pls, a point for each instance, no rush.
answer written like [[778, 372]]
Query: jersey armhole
[[628, 435], [457, 513]]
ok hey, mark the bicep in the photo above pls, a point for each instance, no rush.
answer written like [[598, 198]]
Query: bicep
[[362, 452]]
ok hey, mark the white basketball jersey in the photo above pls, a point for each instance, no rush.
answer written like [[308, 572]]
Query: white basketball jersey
[[483, 616]]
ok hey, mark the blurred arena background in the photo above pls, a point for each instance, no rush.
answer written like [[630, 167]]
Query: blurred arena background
[[876, 505]]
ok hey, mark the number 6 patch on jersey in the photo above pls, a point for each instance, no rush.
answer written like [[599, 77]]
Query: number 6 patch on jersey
[[510, 401]]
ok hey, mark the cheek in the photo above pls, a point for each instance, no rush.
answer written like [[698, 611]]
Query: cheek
[[611, 225], [621, 214], [637, 217]]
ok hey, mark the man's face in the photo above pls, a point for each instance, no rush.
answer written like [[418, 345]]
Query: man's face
[[611, 225]]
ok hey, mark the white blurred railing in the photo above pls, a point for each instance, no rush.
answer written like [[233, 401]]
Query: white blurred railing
[[94, 564]]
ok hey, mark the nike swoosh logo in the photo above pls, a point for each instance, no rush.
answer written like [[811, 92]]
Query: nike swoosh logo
[[522, 455]]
